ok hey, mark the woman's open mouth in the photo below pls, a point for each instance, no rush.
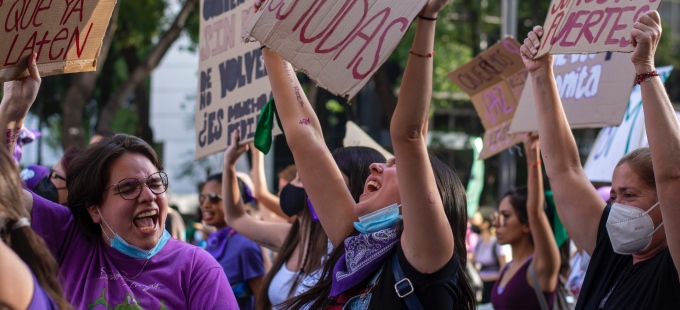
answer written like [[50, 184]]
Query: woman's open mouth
[[146, 221]]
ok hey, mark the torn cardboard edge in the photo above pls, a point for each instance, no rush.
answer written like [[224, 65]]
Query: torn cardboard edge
[[344, 90], [97, 14], [580, 14]]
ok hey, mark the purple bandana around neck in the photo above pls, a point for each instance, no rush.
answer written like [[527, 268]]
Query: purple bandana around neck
[[364, 254]]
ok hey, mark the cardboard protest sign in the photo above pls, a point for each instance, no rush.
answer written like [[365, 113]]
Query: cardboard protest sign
[[66, 35], [338, 44], [355, 136], [613, 143], [594, 89], [494, 81], [587, 26], [233, 84]]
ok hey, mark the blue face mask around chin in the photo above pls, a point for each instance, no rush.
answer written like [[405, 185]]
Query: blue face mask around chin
[[122, 246], [378, 220]]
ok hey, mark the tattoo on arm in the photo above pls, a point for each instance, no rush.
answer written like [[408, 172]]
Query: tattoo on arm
[[304, 121], [291, 78], [12, 137]]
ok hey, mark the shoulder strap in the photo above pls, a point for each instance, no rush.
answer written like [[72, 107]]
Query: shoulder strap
[[494, 245], [404, 287], [537, 287]]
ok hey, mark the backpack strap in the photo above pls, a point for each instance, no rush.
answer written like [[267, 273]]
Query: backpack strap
[[404, 287], [537, 288]]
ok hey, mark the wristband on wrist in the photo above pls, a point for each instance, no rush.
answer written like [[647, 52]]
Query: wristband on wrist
[[645, 77], [427, 18], [428, 55]]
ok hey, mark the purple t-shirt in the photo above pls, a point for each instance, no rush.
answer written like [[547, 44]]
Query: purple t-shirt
[[180, 276], [241, 260], [517, 293], [41, 300]]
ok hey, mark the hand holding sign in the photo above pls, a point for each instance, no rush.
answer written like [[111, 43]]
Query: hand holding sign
[[645, 37], [531, 145], [530, 48], [575, 27], [235, 150], [18, 95], [433, 7]]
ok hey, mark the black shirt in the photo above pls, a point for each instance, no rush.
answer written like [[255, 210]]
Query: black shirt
[[651, 284], [438, 290]]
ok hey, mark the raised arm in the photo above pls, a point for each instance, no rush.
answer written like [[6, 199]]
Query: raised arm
[[318, 172], [546, 255], [582, 212], [17, 98], [260, 190], [427, 240], [663, 128], [267, 234], [15, 279]]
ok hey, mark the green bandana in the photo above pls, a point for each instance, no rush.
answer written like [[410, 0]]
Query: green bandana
[[265, 126]]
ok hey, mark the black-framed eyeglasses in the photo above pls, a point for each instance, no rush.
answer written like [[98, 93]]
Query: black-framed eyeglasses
[[212, 197], [131, 188], [55, 175]]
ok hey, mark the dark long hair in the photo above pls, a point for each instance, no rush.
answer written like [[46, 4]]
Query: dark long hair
[[354, 162], [25, 242], [518, 200], [454, 200]]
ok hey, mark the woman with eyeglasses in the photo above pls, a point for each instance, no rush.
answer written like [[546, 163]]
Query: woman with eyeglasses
[[522, 223], [240, 257], [53, 186], [110, 242]]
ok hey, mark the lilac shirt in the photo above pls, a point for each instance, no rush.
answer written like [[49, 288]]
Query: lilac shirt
[[240, 258], [180, 276], [41, 300], [518, 294]]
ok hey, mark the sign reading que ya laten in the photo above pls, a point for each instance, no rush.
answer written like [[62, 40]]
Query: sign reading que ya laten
[[66, 35]]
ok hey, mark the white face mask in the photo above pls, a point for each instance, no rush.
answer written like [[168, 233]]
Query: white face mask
[[630, 229]]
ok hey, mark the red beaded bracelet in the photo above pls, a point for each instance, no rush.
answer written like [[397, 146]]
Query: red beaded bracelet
[[428, 55], [534, 165], [644, 77]]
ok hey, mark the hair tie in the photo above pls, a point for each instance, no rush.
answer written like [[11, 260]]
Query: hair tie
[[22, 222]]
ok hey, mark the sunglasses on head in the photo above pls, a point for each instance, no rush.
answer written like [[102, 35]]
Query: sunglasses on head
[[212, 197]]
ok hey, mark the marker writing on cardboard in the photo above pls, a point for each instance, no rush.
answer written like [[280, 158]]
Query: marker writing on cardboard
[[496, 106], [589, 24], [23, 15], [240, 71], [370, 32], [485, 70]]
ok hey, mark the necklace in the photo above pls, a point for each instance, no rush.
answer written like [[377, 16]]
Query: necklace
[[137, 275]]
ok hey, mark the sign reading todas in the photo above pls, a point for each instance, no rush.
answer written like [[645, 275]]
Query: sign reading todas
[[339, 44], [494, 81], [233, 83], [590, 26], [594, 89], [65, 34]]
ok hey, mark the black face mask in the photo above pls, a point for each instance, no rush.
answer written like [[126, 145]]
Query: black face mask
[[475, 229], [46, 189], [292, 199]]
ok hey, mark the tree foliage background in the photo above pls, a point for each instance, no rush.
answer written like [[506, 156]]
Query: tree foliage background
[[116, 97]]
